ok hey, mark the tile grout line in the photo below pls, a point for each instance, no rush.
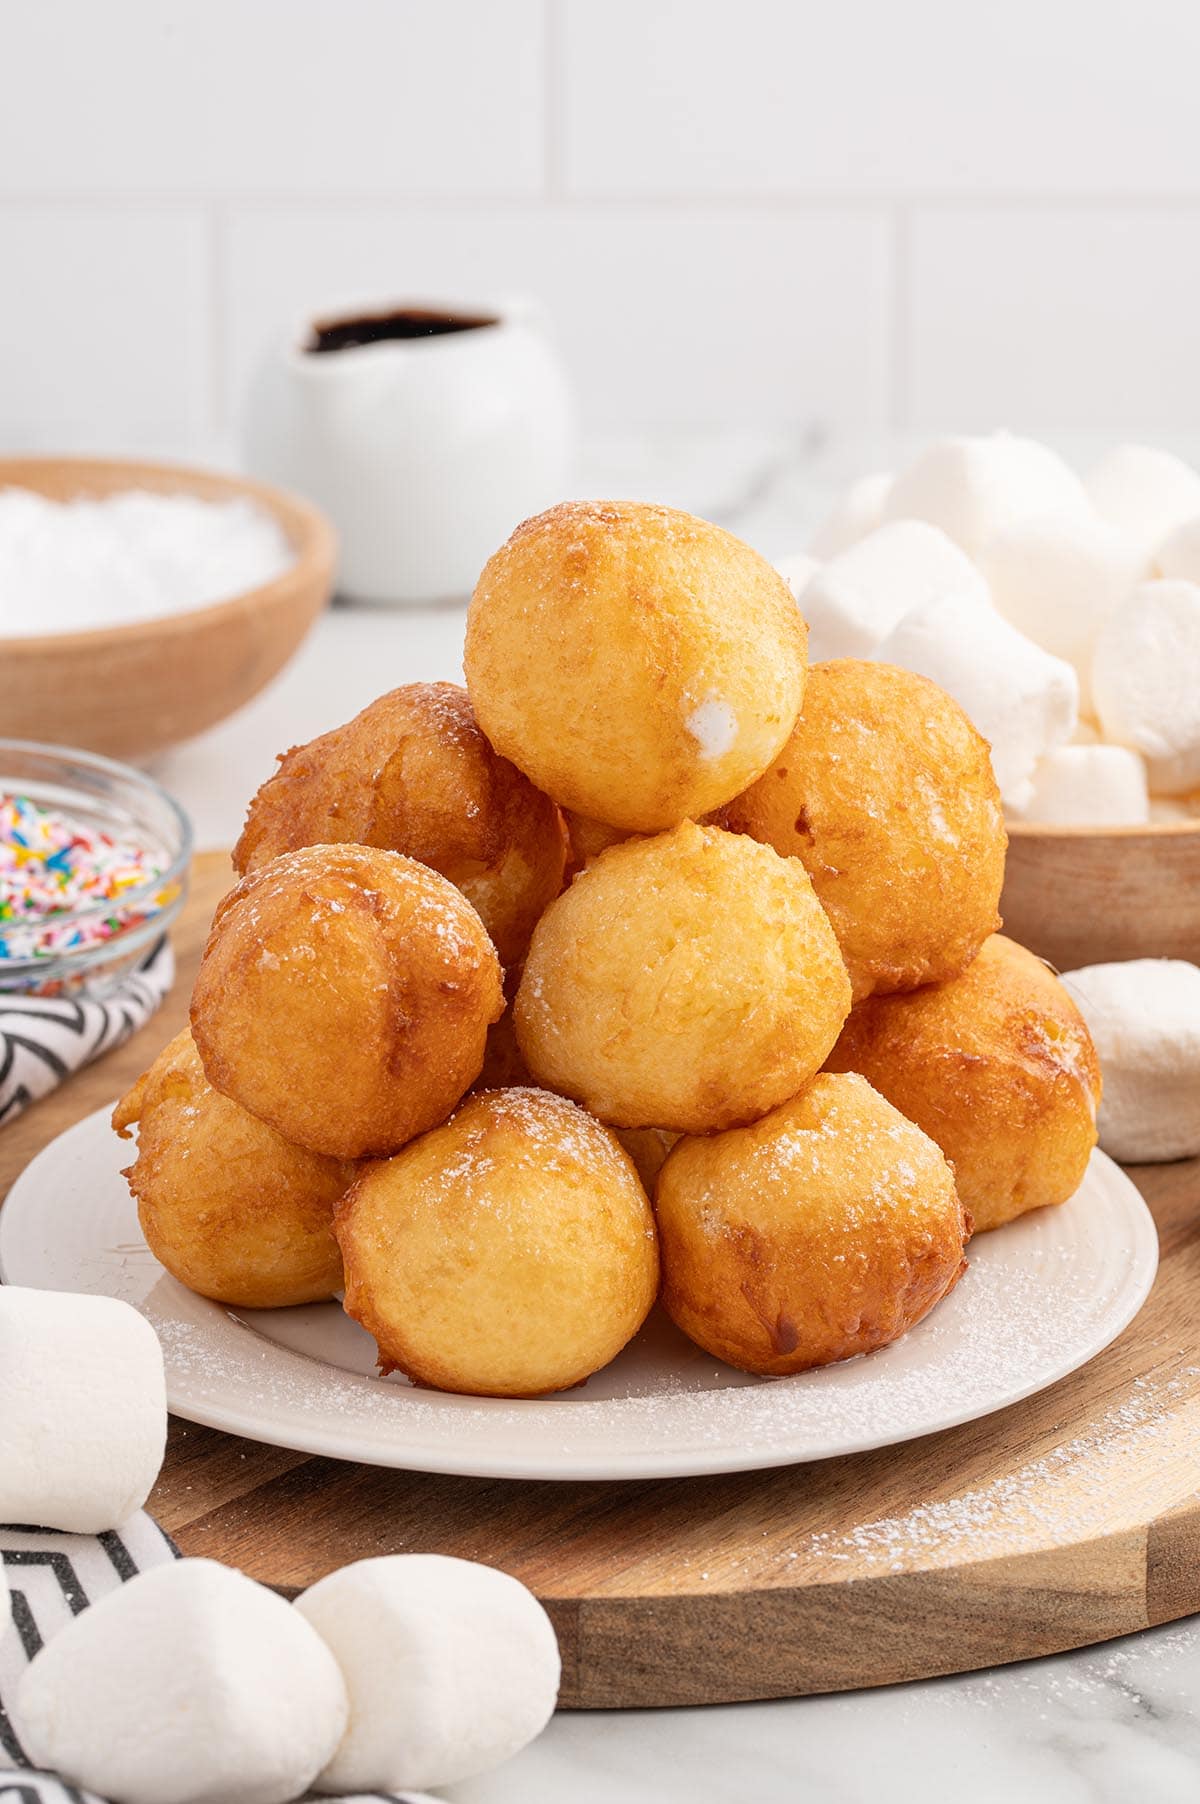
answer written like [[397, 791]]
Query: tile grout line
[[797, 201]]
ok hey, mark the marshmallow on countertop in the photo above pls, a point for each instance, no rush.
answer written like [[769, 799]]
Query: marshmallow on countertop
[[1144, 1017], [1058, 580], [1144, 491], [856, 599], [1089, 785], [797, 571], [188, 1685], [857, 511], [974, 488], [1146, 681], [450, 1668], [1021, 699], [83, 1415]]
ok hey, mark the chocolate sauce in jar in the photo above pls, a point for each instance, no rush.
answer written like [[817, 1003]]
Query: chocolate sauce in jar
[[402, 323]]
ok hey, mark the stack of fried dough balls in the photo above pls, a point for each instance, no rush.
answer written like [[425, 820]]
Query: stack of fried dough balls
[[650, 910]]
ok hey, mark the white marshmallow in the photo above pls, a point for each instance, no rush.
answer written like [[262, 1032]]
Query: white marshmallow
[[1058, 580], [1086, 732], [190, 1684], [1021, 699], [974, 488], [857, 511], [856, 599], [1144, 491], [797, 571], [1144, 1017], [1089, 785], [1146, 681], [83, 1410], [1179, 553], [450, 1667]]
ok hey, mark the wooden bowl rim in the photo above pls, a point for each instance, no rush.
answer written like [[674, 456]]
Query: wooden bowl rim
[[1134, 830], [309, 531]]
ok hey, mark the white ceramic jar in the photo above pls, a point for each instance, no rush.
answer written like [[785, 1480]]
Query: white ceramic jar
[[426, 432]]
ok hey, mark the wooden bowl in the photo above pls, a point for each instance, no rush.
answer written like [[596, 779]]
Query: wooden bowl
[[130, 691], [1086, 895]]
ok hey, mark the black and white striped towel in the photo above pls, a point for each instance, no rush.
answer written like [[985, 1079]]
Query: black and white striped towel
[[52, 1578], [43, 1039]]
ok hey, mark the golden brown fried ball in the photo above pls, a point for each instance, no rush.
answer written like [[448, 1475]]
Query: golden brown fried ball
[[998, 1067], [684, 982], [226, 1204], [826, 1229], [508, 1253], [344, 998], [413, 773], [638, 664], [886, 795]]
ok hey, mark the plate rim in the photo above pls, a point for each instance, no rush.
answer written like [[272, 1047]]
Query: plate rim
[[322, 1439]]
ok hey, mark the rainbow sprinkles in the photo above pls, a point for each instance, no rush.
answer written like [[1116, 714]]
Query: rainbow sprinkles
[[66, 886]]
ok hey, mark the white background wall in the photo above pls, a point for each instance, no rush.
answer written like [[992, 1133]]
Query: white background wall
[[813, 213]]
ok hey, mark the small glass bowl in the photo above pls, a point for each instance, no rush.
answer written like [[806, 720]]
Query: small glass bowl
[[110, 798]]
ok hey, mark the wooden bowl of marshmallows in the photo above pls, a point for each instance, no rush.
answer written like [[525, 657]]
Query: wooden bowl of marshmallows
[[1063, 613]]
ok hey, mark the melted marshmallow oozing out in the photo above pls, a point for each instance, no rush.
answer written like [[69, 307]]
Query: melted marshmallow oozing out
[[714, 727]]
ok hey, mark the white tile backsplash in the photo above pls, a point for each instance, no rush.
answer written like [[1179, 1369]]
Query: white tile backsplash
[[347, 97], [1037, 318], [104, 327], [693, 317], [871, 97], [773, 213]]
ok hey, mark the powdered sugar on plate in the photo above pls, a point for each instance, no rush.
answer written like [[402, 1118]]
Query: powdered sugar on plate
[[1041, 1297]]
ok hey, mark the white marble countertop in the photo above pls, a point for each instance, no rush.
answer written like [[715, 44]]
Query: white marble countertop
[[1115, 1724]]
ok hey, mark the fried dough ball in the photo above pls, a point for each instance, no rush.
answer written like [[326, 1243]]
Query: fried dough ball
[[886, 795], [826, 1229], [344, 998], [998, 1067], [508, 1253], [684, 982], [226, 1204], [638, 664], [413, 773]]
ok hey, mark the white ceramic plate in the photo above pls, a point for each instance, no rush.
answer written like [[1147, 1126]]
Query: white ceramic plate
[[1041, 1297]]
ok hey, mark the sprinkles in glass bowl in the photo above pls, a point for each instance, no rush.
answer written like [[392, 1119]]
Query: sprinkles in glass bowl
[[93, 861]]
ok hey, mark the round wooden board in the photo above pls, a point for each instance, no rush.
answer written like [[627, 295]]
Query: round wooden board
[[1067, 1519]]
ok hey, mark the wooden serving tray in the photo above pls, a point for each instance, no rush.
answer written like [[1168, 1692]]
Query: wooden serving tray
[[1067, 1519]]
